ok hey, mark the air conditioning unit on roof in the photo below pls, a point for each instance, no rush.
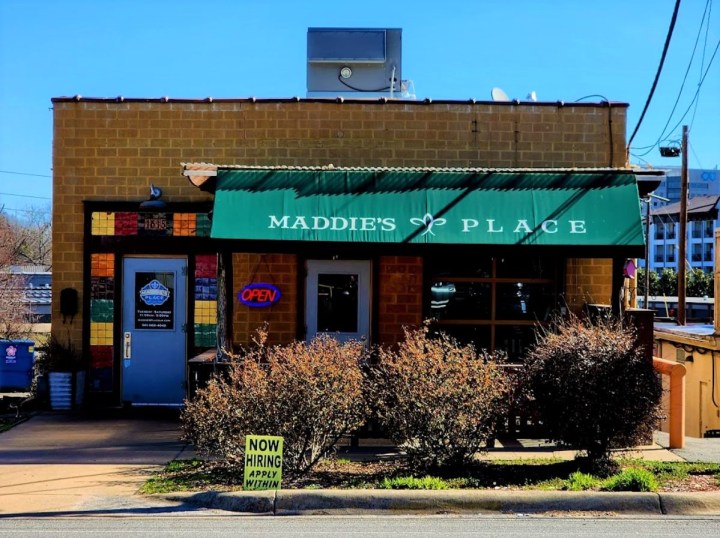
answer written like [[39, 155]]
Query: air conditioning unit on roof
[[356, 63]]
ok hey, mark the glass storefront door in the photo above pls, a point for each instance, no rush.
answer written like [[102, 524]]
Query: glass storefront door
[[338, 299]]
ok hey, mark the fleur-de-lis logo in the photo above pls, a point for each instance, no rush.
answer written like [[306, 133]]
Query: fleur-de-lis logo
[[428, 221]]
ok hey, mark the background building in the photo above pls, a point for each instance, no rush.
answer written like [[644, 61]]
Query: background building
[[704, 193]]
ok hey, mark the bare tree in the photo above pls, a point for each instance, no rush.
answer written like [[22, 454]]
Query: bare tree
[[34, 237], [15, 313]]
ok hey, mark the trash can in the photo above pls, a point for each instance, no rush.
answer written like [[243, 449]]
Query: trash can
[[16, 365]]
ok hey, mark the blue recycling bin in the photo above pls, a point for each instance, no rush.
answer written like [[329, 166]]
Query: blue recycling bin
[[16, 365]]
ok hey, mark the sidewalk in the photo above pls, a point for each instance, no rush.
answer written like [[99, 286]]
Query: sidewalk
[[63, 463]]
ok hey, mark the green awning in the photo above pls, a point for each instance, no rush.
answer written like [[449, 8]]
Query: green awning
[[428, 206]]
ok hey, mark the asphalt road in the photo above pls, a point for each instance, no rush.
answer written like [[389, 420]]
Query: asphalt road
[[249, 526]]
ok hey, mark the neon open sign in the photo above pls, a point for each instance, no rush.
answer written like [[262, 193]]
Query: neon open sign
[[259, 295]]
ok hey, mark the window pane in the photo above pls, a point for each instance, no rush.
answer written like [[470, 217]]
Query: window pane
[[526, 267], [155, 300], [460, 300], [659, 230], [709, 228], [515, 340], [696, 229], [477, 335], [525, 301], [696, 252], [464, 267], [337, 303]]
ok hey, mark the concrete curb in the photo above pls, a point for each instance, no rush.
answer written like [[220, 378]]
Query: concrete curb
[[288, 502]]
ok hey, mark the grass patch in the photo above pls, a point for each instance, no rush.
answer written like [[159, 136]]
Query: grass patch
[[192, 475], [536, 474], [410, 482], [578, 481], [632, 479]]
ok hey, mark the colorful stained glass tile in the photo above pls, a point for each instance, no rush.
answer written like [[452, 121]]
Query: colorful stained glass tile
[[206, 289], [102, 287], [205, 312], [102, 265], [101, 334], [205, 335], [203, 225], [206, 266], [101, 356], [102, 223], [102, 310], [101, 379], [126, 223], [184, 224]]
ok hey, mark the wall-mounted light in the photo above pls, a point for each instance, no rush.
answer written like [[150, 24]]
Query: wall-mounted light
[[346, 72], [154, 202]]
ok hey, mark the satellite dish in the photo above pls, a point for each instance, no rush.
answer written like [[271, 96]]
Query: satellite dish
[[532, 96], [498, 94]]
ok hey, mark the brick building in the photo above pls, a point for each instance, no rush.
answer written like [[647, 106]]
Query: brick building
[[542, 211]]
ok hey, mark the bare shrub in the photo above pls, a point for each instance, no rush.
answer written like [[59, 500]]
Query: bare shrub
[[309, 393], [593, 387], [439, 399]]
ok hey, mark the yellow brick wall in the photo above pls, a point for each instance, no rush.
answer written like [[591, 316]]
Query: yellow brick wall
[[112, 151], [400, 296], [279, 270], [588, 280]]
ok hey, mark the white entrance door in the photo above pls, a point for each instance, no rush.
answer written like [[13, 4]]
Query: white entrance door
[[338, 299]]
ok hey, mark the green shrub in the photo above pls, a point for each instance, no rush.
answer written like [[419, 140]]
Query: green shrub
[[632, 479], [311, 394], [580, 482], [410, 482], [594, 388], [438, 399]]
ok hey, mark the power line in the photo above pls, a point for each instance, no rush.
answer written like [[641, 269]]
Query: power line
[[3, 208], [697, 93], [26, 196], [682, 86], [22, 173], [702, 63], [659, 70]]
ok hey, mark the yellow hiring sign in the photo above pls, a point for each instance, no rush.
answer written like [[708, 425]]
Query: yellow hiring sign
[[263, 462]]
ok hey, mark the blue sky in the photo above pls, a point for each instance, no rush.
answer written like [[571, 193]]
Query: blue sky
[[562, 49]]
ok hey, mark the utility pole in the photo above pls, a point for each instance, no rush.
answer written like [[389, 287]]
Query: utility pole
[[646, 304], [682, 240]]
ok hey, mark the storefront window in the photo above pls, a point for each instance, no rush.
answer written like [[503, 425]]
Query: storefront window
[[495, 303]]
